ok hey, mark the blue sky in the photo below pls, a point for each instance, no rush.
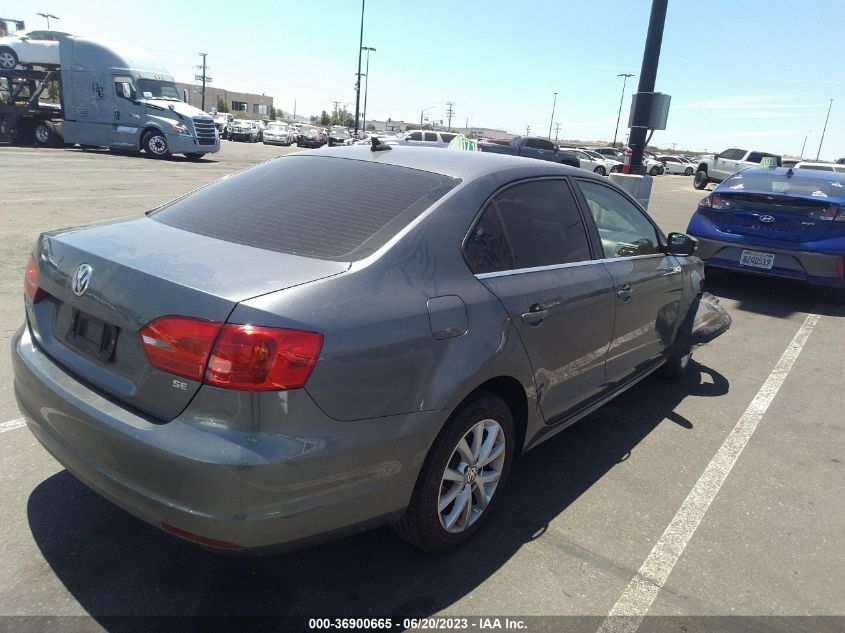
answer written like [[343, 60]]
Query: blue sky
[[756, 73]]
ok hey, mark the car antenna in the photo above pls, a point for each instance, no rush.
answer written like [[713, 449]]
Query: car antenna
[[378, 146]]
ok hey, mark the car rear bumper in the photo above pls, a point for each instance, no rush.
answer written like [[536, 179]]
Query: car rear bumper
[[821, 269], [265, 471]]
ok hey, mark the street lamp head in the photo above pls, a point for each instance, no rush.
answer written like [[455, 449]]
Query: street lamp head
[[625, 75], [368, 48], [48, 15]]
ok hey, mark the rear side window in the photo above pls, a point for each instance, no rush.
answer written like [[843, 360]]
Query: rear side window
[[528, 225], [313, 206], [447, 138], [430, 136]]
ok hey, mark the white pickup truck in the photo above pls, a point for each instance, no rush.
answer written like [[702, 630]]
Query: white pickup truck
[[724, 165]]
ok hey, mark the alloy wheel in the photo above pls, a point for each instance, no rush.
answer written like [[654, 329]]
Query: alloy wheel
[[7, 60], [471, 476]]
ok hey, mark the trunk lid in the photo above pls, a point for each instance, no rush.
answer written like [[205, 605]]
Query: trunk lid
[[143, 270], [774, 216]]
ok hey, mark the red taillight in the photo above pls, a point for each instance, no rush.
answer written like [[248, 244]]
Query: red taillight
[[261, 358], [715, 201], [839, 270], [179, 345], [30, 282]]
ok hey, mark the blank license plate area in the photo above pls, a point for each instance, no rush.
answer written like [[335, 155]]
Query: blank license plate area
[[91, 335], [756, 259]]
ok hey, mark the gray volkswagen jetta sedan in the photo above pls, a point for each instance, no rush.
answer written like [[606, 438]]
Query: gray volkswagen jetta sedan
[[343, 338]]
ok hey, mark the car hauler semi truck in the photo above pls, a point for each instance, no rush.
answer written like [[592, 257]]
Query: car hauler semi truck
[[106, 98]]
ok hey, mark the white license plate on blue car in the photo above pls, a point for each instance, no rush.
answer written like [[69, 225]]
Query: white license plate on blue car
[[756, 259]]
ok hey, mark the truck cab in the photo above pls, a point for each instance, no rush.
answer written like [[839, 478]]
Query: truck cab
[[122, 100]]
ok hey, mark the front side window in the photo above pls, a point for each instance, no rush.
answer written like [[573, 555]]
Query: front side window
[[414, 136], [624, 229], [528, 225], [157, 89]]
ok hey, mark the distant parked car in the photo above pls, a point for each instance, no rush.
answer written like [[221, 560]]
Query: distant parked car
[[613, 165], [782, 222], [339, 135], [592, 163], [424, 138], [311, 136], [223, 121], [278, 134], [243, 130], [675, 165], [723, 165], [807, 164], [653, 167], [534, 147], [35, 47]]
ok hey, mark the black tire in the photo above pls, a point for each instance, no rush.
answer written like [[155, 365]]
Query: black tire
[[154, 144], [421, 524], [688, 171], [8, 58], [601, 171], [701, 180], [654, 171], [193, 155], [44, 134]]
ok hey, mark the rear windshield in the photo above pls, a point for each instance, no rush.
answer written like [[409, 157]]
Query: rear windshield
[[782, 184], [313, 206]]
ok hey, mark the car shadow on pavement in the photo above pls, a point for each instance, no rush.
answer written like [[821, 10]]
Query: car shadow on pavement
[[770, 296], [115, 565]]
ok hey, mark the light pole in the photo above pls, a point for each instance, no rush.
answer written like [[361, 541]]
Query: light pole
[[358, 83], [829, 106], [551, 121], [621, 99], [803, 145], [367, 84], [423, 111], [48, 16]]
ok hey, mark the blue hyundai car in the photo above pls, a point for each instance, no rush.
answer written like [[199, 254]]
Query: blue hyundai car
[[780, 222]]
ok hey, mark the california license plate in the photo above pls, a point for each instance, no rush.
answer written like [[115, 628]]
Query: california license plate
[[756, 259]]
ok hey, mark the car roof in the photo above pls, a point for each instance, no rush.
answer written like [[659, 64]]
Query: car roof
[[455, 164]]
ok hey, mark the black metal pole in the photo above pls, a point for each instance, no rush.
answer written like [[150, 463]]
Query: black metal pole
[[203, 80], [358, 83], [648, 76], [551, 121]]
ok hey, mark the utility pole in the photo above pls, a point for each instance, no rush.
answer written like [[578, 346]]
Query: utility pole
[[449, 113], [294, 110], [648, 76], [527, 130], [203, 55], [48, 16], [621, 99], [358, 83], [554, 103], [824, 129], [369, 49], [336, 103], [804, 145], [557, 131]]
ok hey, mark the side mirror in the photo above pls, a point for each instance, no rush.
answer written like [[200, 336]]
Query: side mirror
[[681, 244]]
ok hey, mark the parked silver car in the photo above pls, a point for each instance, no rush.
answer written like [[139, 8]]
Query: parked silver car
[[278, 134], [343, 338]]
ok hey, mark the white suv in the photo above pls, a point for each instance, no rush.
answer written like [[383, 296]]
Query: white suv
[[424, 138], [724, 165]]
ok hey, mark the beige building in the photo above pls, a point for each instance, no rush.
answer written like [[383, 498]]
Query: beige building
[[243, 105]]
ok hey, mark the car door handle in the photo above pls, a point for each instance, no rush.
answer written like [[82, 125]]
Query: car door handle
[[626, 293], [535, 315], [676, 270]]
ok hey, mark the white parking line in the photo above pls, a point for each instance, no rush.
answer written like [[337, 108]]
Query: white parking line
[[11, 425], [628, 612]]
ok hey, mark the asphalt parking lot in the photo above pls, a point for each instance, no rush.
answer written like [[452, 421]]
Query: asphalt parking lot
[[719, 495]]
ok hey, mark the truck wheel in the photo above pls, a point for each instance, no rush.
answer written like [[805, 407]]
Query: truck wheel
[[155, 144], [600, 171], [688, 171], [701, 180], [8, 59], [44, 135]]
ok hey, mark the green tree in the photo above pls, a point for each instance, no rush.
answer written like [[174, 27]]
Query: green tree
[[324, 118], [272, 113], [371, 127], [221, 105]]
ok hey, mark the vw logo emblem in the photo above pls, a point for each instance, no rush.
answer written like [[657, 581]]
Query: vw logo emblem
[[767, 218], [471, 474], [81, 279]]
